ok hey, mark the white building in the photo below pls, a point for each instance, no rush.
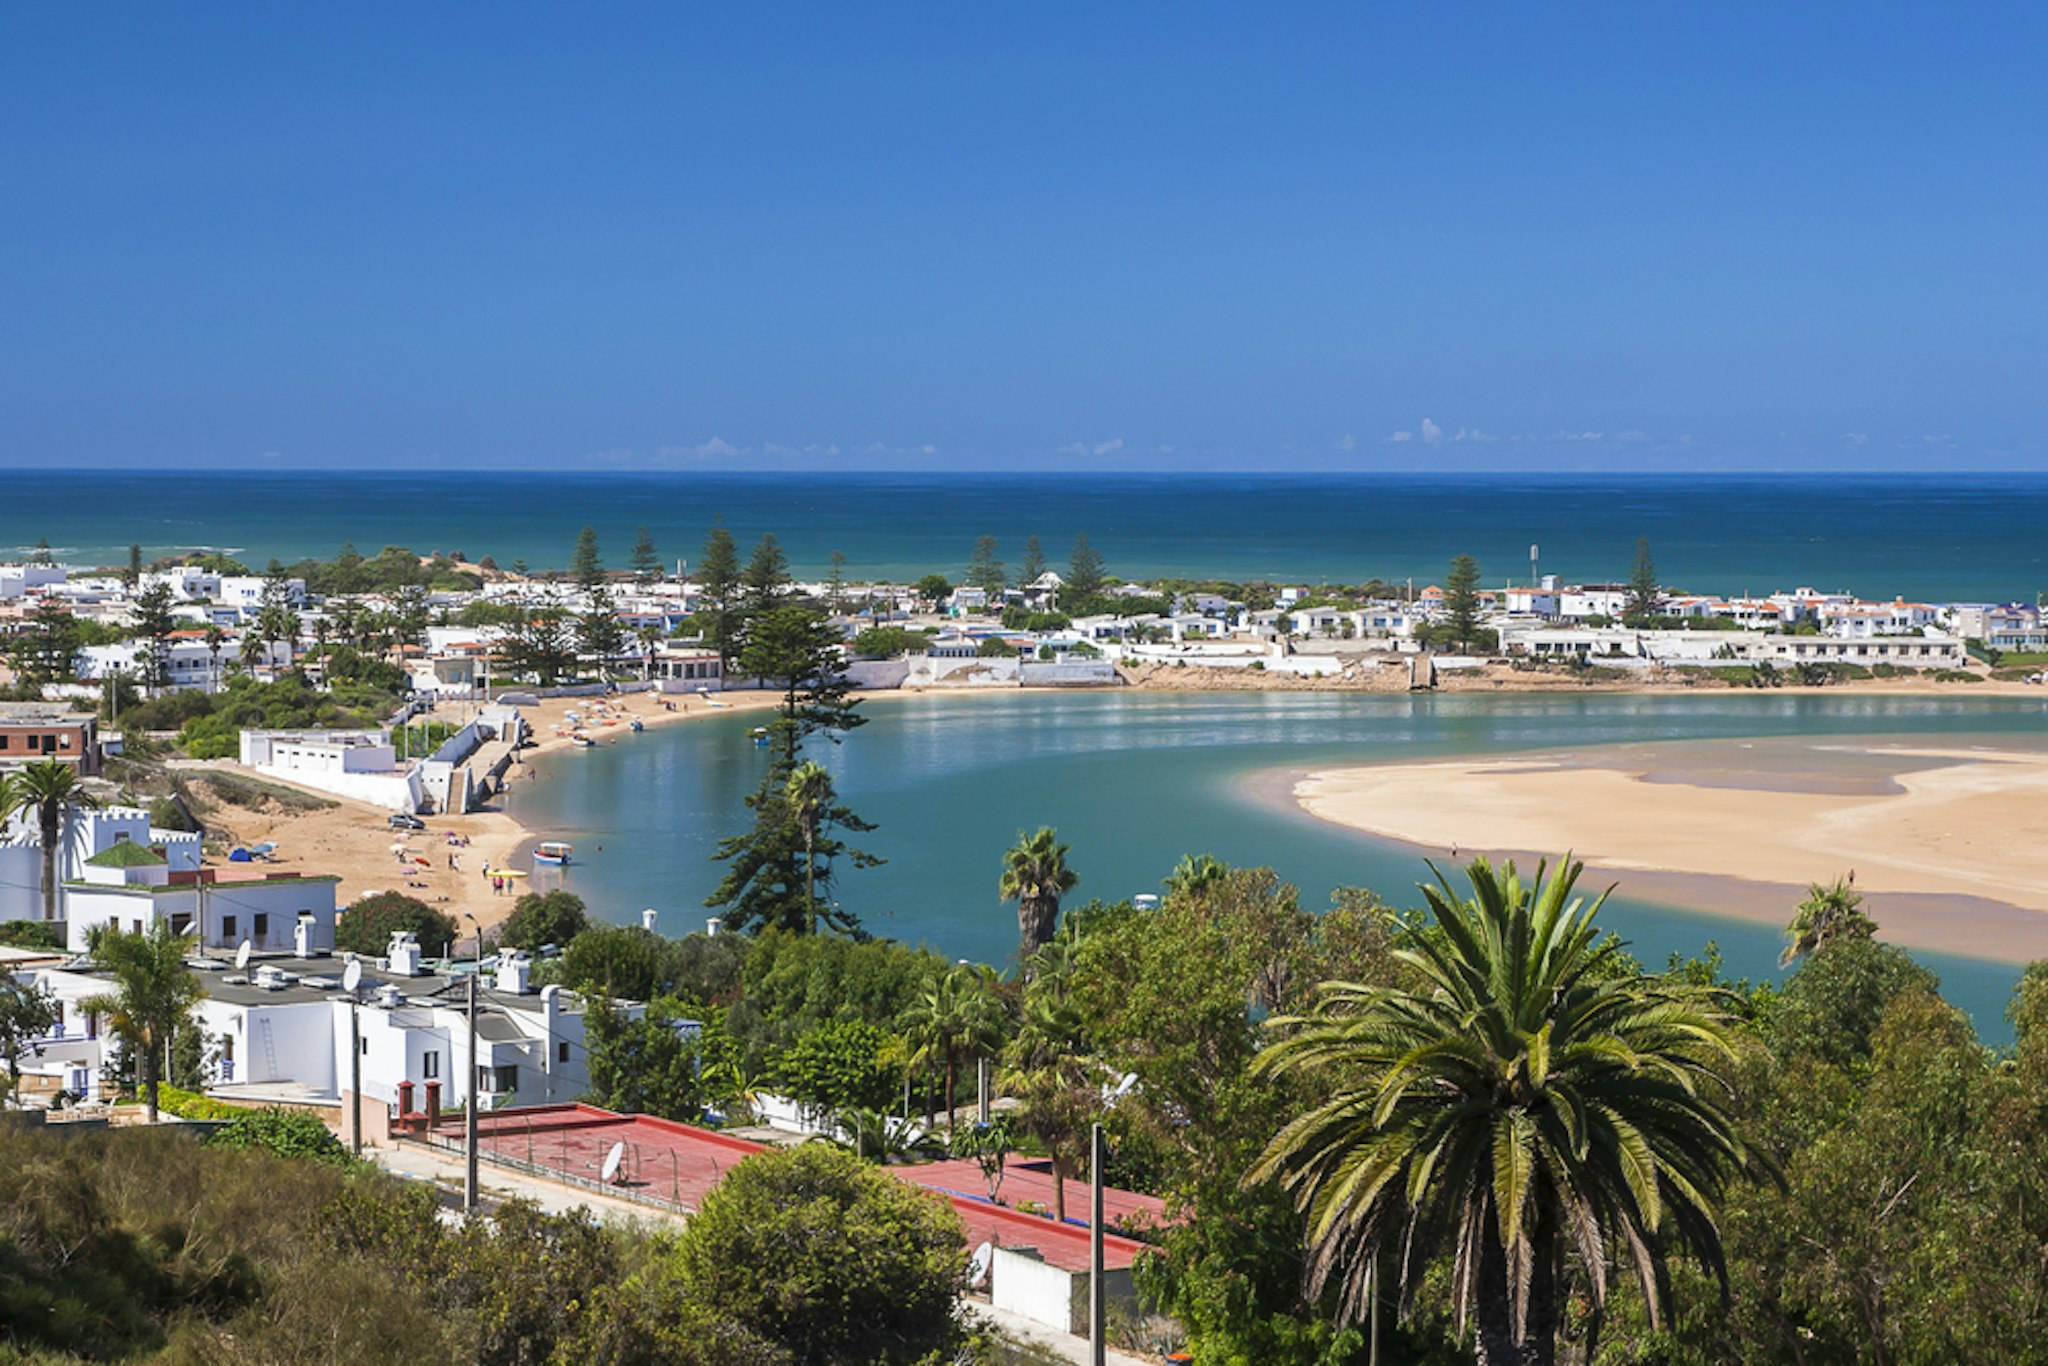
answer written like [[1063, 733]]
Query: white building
[[283, 1027], [17, 580], [84, 835], [130, 886]]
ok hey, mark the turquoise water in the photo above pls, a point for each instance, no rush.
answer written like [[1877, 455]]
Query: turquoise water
[[1955, 537], [1133, 781]]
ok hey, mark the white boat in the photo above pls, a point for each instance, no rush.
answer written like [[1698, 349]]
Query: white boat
[[582, 742], [552, 851]]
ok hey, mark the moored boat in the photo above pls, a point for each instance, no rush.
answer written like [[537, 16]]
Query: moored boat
[[552, 851]]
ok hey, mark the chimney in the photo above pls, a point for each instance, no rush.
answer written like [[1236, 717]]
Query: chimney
[[404, 1100], [712, 925], [404, 954], [647, 920], [433, 1105], [513, 972], [302, 935]]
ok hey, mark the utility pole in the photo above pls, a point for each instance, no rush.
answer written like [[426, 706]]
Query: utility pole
[[469, 1110], [1097, 1154], [355, 1079]]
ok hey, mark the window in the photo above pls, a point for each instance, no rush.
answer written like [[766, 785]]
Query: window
[[262, 927], [430, 1066], [497, 1080], [365, 1046], [227, 927], [561, 1052]]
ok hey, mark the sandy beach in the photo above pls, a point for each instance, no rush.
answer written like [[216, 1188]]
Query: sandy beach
[[352, 839], [1947, 844]]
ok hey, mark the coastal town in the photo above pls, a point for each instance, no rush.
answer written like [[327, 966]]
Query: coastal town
[[311, 996]]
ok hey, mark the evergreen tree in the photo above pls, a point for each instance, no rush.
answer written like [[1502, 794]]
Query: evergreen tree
[[541, 644], [134, 564], [599, 632], [718, 580], [1032, 565], [1461, 600], [984, 570], [1642, 588], [41, 554], [646, 561], [766, 575], [153, 626], [835, 583], [584, 565], [778, 866], [44, 651], [1084, 569]]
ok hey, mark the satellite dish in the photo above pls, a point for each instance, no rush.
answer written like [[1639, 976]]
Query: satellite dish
[[612, 1160], [977, 1270], [352, 976], [1125, 1085], [242, 956]]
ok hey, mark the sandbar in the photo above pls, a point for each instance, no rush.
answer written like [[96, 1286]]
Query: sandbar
[[1949, 844]]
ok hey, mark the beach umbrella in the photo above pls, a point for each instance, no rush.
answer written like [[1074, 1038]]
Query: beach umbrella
[[398, 848]]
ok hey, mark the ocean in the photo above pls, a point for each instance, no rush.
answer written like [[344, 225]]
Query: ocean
[[1970, 537]]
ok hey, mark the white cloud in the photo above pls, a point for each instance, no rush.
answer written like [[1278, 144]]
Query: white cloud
[[1400, 438], [1432, 435], [1855, 438], [716, 448], [1347, 442], [1110, 447]]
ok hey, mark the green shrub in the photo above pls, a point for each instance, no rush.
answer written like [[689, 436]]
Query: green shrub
[[286, 1133]]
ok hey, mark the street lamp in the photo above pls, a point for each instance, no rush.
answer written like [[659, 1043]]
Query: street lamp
[[470, 916]]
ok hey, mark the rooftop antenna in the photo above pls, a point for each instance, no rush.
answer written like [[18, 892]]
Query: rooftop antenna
[[1532, 567]]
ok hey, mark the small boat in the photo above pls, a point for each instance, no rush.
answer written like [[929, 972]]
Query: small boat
[[553, 851], [582, 742], [636, 725], [760, 734]]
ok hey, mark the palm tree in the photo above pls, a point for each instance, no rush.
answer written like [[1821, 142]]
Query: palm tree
[[215, 639], [253, 653], [955, 1016], [155, 994], [808, 796], [649, 636], [52, 787], [1035, 876], [1523, 1102], [1828, 913], [1195, 874], [1057, 1087]]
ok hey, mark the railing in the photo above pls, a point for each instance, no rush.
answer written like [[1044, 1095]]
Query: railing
[[529, 1167]]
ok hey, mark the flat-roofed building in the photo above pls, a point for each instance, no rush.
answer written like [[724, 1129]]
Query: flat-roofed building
[[33, 731]]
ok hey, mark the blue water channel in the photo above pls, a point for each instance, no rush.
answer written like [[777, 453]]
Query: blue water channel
[[1133, 781]]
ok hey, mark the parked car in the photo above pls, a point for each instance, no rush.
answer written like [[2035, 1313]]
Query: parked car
[[405, 820]]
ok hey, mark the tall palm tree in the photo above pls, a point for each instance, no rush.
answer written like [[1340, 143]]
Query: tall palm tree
[[955, 1016], [1058, 1088], [808, 795], [216, 639], [53, 789], [649, 635], [1523, 1103], [1036, 876], [1829, 912], [154, 994]]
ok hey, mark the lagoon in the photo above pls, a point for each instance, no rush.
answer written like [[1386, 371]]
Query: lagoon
[[1134, 780]]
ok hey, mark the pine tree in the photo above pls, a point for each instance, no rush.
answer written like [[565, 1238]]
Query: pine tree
[[1084, 569], [599, 632], [646, 561], [761, 585], [984, 570], [134, 564], [835, 583], [1032, 565], [1461, 600], [718, 580], [541, 643], [1641, 607], [584, 565], [154, 623]]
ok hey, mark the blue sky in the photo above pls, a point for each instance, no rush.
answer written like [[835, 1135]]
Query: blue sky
[[1178, 236]]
